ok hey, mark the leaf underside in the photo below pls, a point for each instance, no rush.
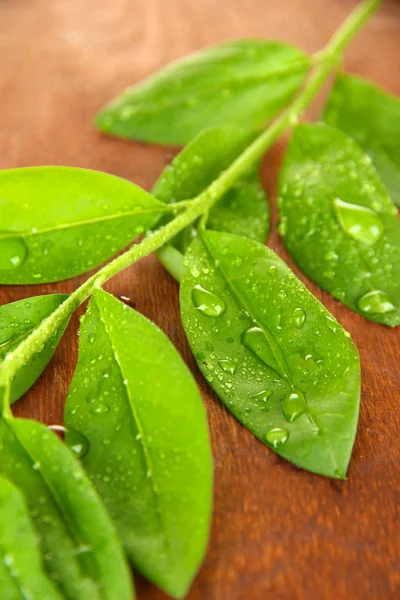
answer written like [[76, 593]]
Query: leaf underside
[[339, 223], [245, 82], [135, 401], [274, 355]]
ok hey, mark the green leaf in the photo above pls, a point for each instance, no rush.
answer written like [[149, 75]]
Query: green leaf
[[81, 551], [243, 210], [21, 570], [275, 356], [135, 401], [58, 222], [339, 223], [372, 117], [17, 321], [243, 81]]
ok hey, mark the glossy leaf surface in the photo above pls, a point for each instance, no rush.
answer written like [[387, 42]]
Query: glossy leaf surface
[[81, 551], [58, 222], [136, 402], [244, 82], [274, 355], [17, 321], [21, 570], [372, 117], [243, 210], [339, 223]]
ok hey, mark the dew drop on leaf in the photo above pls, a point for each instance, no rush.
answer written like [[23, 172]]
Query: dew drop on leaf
[[375, 302], [277, 437], [77, 443], [299, 317], [207, 303], [13, 252], [100, 409], [294, 406], [332, 324], [228, 366], [359, 222], [262, 396]]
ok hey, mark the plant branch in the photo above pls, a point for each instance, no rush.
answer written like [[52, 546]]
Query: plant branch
[[200, 205]]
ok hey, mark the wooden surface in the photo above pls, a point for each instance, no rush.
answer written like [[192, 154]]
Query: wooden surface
[[277, 532]]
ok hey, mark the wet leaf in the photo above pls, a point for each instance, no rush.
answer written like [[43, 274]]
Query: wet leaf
[[81, 551], [21, 569], [372, 117], [277, 359], [135, 401], [339, 223], [243, 210], [58, 222], [244, 81], [17, 321]]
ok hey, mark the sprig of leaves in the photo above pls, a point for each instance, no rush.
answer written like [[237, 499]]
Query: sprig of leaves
[[277, 359]]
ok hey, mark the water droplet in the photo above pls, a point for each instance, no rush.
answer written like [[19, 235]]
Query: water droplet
[[228, 366], [262, 396], [77, 443], [272, 271], [13, 252], [277, 437], [299, 317], [100, 409], [361, 223], [207, 303], [294, 406], [375, 302], [332, 324], [91, 338], [256, 341]]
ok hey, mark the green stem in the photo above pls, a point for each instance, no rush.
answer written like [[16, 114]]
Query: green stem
[[201, 204]]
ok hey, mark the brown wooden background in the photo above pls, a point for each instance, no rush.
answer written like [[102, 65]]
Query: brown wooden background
[[277, 532]]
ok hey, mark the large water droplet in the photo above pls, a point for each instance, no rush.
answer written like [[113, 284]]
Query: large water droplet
[[256, 341], [228, 366], [76, 442], [361, 223], [277, 437], [207, 303], [375, 302], [13, 252], [294, 406], [299, 317]]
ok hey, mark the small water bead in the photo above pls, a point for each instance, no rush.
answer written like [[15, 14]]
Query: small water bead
[[262, 396], [228, 366], [207, 303], [294, 405], [100, 409], [272, 271], [332, 324], [299, 317], [77, 443], [375, 302], [277, 437], [13, 253], [361, 223]]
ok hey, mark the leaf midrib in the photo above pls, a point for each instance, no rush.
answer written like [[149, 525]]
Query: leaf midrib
[[77, 224], [142, 441], [143, 106]]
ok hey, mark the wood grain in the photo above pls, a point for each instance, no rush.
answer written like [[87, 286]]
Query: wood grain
[[277, 532]]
